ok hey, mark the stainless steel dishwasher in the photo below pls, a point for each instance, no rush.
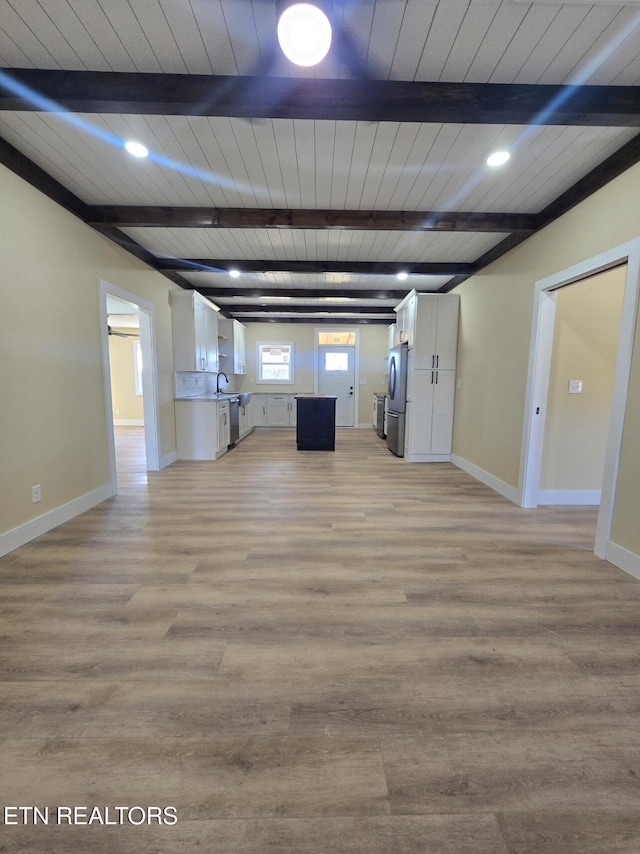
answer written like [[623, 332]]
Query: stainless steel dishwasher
[[234, 420]]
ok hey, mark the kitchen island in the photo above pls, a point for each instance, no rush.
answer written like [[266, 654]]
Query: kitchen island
[[316, 422]]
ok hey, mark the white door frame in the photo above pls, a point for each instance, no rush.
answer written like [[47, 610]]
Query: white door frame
[[356, 365], [146, 312], [544, 309]]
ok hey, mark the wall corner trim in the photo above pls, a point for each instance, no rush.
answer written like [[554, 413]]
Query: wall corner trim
[[622, 558], [504, 489], [59, 515], [578, 497], [168, 459]]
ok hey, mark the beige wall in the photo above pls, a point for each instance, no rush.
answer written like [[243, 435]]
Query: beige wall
[[372, 350], [126, 404], [496, 310], [585, 346], [53, 412]]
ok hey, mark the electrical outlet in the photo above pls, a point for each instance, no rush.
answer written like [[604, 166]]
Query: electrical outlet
[[117, 412], [36, 494]]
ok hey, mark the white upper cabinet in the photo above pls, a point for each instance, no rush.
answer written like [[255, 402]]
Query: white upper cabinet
[[239, 348], [194, 327], [429, 324], [233, 358]]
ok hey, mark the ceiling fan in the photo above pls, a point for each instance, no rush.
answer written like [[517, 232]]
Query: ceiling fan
[[122, 334]]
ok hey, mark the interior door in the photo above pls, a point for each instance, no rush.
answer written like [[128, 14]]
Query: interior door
[[337, 376]]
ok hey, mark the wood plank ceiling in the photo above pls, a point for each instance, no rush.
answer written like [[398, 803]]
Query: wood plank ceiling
[[320, 185]]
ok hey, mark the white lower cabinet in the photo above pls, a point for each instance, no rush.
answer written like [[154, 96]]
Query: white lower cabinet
[[277, 410], [429, 416], [245, 418], [259, 410], [293, 411], [273, 410], [202, 429], [224, 427]]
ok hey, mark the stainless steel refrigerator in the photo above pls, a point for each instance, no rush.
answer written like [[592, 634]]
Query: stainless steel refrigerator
[[397, 400]]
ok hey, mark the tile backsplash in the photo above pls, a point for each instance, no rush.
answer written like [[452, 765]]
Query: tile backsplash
[[198, 384]]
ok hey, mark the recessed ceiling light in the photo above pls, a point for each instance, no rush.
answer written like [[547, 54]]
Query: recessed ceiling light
[[234, 273], [304, 33], [498, 158], [402, 276], [136, 148]]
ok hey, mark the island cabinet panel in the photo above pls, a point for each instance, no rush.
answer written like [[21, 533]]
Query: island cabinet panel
[[316, 423]]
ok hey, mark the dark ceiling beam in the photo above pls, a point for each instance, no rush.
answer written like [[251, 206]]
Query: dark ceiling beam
[[388, 268], [42, 181], [316, 98], [139, 251], [349, 321], [611, 168], [257, 292], [143, 216], [310, 309], [617, 163]]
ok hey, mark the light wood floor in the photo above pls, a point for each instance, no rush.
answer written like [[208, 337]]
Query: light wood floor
[[321, 653]]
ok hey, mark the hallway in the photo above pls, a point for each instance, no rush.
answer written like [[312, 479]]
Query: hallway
[[322, 652]]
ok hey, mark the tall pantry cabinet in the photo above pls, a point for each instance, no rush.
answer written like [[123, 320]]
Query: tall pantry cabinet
[[429, 324]]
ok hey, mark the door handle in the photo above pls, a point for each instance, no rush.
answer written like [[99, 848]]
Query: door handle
[[431, 377]]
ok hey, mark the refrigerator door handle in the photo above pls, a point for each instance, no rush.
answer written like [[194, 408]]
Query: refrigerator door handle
[[392, 415], [392, 377]]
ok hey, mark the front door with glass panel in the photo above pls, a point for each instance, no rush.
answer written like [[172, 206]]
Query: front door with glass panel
[[337, 376]]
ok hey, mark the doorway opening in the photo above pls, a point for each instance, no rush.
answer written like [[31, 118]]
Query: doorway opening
[[540, 354], [127, 398], [336, 369], [581, 378], [130, 383]]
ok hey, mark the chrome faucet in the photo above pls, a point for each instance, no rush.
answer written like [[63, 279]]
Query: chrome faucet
[[221, 374]]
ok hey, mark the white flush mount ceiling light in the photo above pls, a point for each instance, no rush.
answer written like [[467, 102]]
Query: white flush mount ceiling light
[[234, 273], [498, 158], [304, 33], [136, 148], [402, 276]]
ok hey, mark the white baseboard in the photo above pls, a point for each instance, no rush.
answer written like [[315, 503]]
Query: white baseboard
[[569, 496], [41, 524], [623, 559], [168, 459], [427, 458], [505, 489], [128, 422]]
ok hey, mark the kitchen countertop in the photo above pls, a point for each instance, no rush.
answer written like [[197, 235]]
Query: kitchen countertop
[[223, 395]]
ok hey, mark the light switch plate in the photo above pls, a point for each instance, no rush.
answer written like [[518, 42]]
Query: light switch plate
[[575, 386]]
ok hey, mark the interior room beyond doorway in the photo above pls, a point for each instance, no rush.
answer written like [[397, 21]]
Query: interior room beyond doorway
[[585, 347]]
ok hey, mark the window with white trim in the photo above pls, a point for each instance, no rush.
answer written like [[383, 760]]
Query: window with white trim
[[275, 363]]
